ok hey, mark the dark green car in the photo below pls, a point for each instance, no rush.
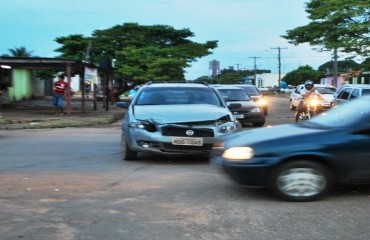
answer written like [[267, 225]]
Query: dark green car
[[302, 162]]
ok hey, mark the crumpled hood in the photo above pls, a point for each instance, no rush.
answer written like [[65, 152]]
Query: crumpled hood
[[179, 113]]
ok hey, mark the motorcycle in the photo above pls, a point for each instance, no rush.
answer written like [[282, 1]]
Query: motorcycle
[[310, 108]]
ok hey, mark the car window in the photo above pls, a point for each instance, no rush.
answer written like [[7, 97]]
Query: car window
[[234, 95], [355, 93], [253, 91], [325, 90], [344, 94], [365, 92], [171, 96]]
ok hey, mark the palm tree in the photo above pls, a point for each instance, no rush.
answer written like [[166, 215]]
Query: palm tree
[[20, 52]]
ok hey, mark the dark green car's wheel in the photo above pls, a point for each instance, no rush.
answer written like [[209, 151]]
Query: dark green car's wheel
[[301, 181], [126, 153]]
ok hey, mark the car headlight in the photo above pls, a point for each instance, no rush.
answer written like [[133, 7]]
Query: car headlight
[[262, 102], [150, 127], [256, 110], [313, 102], [227, 127], [238, 153]]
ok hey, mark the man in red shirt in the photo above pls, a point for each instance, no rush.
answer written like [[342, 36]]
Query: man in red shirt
[[60, 88]]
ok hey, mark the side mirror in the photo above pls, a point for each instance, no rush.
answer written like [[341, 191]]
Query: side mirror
[[123, 104]]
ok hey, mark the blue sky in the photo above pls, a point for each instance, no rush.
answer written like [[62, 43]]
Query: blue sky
[[244, 28]]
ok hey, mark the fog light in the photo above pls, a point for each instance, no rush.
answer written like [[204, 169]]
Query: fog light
[[146, 145]]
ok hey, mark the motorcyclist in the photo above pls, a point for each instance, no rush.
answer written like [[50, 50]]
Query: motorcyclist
[[306, 92]]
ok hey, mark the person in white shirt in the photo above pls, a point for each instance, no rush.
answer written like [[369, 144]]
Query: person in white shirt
[[306, 92]]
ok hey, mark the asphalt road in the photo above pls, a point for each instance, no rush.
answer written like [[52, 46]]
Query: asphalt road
[[71, 184]]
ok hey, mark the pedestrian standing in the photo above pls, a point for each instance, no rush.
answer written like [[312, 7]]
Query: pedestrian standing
[[59, 92]]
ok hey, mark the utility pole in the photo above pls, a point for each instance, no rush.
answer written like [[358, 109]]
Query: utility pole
[[255, 70], [335, 68], [279, 59]]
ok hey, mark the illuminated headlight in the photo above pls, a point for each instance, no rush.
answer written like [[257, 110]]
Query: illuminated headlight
[[238, 153], [262, 102], [313, 102], [227, 127], [256, 110]]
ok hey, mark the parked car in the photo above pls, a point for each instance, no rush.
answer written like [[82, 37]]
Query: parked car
[[256, 95], [326, 91], [302, 162], [351, 91], [174, 118], [264, 90], [249, 111]]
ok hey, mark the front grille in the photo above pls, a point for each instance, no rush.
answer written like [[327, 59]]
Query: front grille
[[170, 147], [181, 131]]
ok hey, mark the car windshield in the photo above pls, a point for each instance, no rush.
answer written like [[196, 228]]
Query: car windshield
[[234, 95], [252, 91], [176, 95], [347, 114], [325, 90]]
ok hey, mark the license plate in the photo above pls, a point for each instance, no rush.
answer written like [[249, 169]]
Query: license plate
[[239, 116], [187, 141]]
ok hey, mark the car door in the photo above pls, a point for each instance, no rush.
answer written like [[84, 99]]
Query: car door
[[343, 95], [360, 158]]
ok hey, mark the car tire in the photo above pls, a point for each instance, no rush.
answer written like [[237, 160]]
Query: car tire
[[259, 124], [291, 106], [265, 110], [301, 181], [126, 153], [312, 114]]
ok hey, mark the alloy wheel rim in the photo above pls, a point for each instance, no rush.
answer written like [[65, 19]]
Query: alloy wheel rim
[[301, 182]]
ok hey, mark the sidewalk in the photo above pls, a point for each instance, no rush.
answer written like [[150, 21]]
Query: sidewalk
[[39, 113]]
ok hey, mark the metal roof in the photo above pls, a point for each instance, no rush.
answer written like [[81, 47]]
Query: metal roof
[[44, 63]]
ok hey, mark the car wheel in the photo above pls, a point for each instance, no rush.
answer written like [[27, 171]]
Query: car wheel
[[259, 124], [126, 153], [301, 181], [312, 114], [291, 106]]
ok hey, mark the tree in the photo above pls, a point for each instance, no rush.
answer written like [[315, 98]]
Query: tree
[[230, 78], [204, 79], [73, 46], [343, 66], [20, 52], [336, 24], [142, 53], [365, 65], [301, 74]]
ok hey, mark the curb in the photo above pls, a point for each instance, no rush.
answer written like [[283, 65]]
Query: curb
[[59, 122]]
